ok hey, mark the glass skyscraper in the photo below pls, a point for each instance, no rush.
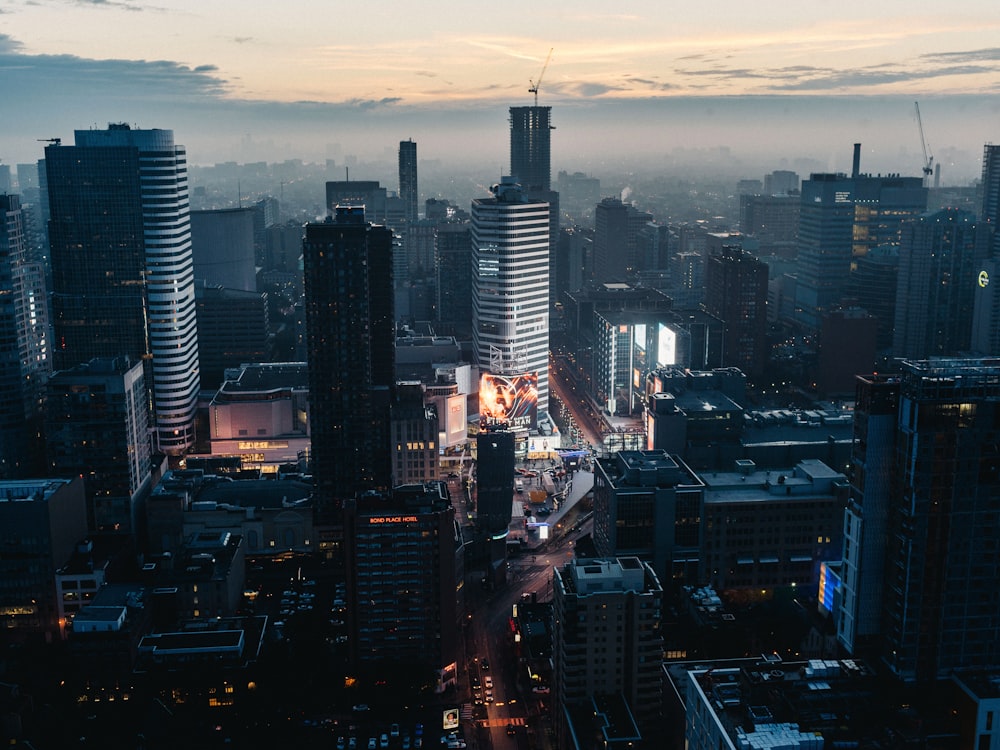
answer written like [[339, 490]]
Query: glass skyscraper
[[123, 280]]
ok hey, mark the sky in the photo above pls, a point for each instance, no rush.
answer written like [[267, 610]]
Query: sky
[[250, 80]]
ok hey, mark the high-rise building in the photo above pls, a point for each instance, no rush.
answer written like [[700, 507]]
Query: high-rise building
[[606, 638], [989, 212], [232, 331], [414, 436], [25, 357], [453, 278], [736, 291], [494, 469], [841, 219], [123, 280], [616, 247], [939, 259], [404, 565], [368, 194], [350, 338], [408, 179], [530, 154], [97, 427], [920, 549], [222, 245], [510, 294]]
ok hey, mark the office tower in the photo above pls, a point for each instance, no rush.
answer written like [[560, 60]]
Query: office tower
[[773, 220], [510, 294], [123, 281], [405, 573], [616, 229], [408, 179], [990, 202], [847, 348], [41, 521], [606, 638], [939, 260], [222, 245], [530, 155], [97, 427], [453, 279], [840, 220], [6, 183], [266, 214], [920, 551], [494, 472], [414, 436], [781, 182], [25, 357], [232, 330], [736, 292], [368, 194], [872, 286], [350, 338]]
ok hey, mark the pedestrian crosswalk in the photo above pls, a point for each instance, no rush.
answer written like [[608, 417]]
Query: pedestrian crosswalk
[[465, 712], [517, 721]]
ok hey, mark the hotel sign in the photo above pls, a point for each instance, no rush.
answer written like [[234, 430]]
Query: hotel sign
[[391, 519], [261, 445]]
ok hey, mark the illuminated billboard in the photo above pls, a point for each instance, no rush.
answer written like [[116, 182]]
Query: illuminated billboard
[[449, 719], [666, 347], [509, 398]]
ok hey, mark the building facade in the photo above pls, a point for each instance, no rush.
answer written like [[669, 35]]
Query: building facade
[[510, 294], [408, 179], [736, 292], [530, 147], [25, 357], [122, 269], [350, 333], [605, 637]]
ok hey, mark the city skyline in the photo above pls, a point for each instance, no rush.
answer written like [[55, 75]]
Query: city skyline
[[749, 78]]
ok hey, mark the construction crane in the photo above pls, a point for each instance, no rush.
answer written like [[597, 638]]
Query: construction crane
[[53, 141], [928, 160], [536, 84]]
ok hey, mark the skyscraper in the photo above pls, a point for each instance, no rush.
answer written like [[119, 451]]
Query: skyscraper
[[510, 295], [920, 551], [123, 280], [939, 258], [25, 357], [990, 187], [530, 156], [408, 179], [736, 291], [350, 333]]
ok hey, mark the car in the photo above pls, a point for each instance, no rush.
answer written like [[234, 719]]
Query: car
[[489, 696], [341, 743], [352, 743], [418, 743], [383, 741], [511, 731], [418, 730], [394, 730], [371, 743], [406, 742], [484, 664], [489, 681], [360, 707]]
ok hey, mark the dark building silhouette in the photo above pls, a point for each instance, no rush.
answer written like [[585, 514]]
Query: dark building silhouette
[[222, 245], [847, 339], [408, 179], [26, 354], [494, 477], [350, 337], [920, 551], [616, 246], [232, 330], [530, 153], [736, 292]]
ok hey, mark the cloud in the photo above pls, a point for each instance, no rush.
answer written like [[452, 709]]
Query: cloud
[[242, 39], [977, 55]]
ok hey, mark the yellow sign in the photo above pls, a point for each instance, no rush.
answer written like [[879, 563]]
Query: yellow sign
[[984, 279], [392, 519]]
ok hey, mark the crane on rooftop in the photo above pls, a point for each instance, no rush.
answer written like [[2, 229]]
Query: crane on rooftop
[[535, 84], [928, 160]]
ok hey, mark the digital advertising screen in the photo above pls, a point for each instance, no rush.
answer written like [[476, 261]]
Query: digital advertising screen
[[511, 398]]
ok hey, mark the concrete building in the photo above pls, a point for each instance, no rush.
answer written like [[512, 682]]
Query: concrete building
[[414, 435], [530, 148], [222, 245], [736, 292], [647, 504], [233, 328], [261, 415], [617, 227], [41, 521], [405, 574], [767, 530], [122, 270], [510, 292], [605, 639], [97, 428], [773, 220]]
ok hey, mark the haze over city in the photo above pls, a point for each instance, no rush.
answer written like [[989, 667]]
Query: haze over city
[[309, 81]]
